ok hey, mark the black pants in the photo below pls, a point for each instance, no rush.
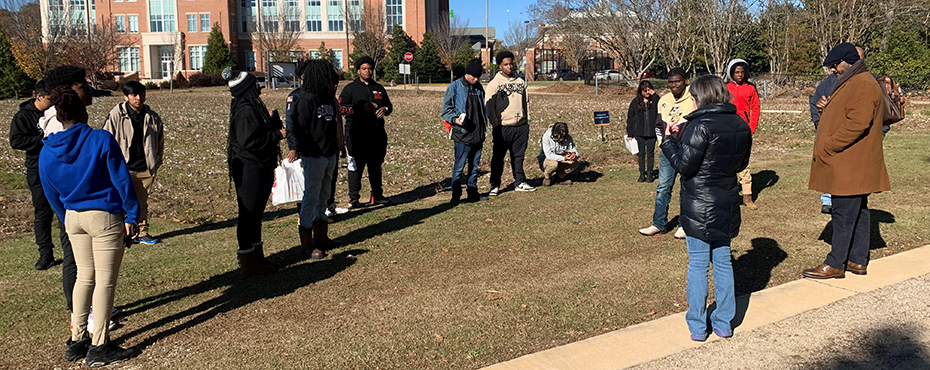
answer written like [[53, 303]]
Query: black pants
[[42, 227], [253, 186], [332, 194], [373, 158], [851, 222], [514, 139], [646, 156]]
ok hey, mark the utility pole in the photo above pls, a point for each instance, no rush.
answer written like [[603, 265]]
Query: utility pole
[[487, 34]]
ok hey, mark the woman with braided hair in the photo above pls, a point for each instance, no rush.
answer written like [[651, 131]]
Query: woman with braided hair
[[88, 185], [252, 154]]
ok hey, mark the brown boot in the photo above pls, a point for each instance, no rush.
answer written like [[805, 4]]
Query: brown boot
[[306, 244], [747, 200], [260, 252], [249, 264], [321, 239]]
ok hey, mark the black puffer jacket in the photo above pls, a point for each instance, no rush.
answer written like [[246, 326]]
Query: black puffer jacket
[[714, 148]]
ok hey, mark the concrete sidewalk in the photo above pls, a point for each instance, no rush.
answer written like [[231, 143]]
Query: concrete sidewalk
[[886, 284]]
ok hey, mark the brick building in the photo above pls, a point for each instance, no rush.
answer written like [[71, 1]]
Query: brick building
[[156, 27]]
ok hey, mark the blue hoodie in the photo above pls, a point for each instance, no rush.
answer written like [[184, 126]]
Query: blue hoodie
[[83, 169]]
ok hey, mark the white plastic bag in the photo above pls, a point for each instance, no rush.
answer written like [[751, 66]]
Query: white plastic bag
[[631, 145], [288, 183]]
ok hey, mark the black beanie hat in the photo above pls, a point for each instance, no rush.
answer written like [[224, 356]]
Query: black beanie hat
[[239, 81], [843, 52], [364, 60], [474, 68], [503, 55]]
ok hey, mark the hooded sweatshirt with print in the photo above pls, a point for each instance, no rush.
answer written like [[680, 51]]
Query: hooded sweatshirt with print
[[745, 96], [506, 100], [83, 169], [673, 111]]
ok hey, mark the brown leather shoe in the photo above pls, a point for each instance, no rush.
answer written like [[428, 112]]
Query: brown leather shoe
[[824, 271], [856, 268]]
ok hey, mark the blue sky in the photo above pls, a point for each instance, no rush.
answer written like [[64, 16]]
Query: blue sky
[[473, 10]]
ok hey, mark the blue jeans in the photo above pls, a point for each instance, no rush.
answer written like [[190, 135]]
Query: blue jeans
[[667, 176], [700, 256], [465, 154], [318, 178], [826, 200]]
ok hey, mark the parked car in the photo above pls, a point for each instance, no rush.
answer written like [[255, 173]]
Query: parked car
[[565, 74], [608, 74], [279, 82], [648, 74]]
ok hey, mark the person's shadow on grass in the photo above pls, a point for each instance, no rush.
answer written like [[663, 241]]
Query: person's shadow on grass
[[237, 291], [762, 180], [876, 217], [208, 226], [751, 273]]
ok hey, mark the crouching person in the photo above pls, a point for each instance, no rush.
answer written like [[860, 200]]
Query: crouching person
[[558, 156], [252, 154], [141, 137]]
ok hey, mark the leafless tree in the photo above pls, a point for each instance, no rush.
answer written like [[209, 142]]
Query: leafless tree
[[369, 31], [277, 35], [838, 21], [573, 47], [716, 19], [96, 49], [677, 35], [627, 29], [36, 53], [177, 42], [517, 39], [449, 35]]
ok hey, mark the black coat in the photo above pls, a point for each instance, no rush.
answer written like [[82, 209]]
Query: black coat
[[253, 138], [641, 122], [25, 133], [714, 148], [364, 130]]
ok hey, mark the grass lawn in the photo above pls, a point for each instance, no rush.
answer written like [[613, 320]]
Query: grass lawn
[[421, 284]]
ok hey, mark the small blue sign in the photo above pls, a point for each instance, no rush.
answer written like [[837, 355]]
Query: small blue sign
[[602, 118]]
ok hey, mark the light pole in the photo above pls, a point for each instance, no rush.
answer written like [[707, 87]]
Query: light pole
[[487, 35]]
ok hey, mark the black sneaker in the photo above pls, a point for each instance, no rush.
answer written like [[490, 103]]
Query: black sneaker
[[76, 350], [107, 353], [45, 261], [826, 209], [381, 200], [353, 204]]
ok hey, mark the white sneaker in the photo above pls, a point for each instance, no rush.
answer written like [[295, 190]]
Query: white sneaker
[[650, 231], [90, 321], [494, 191], [680, 233], [524, 187], [341, 211], [329, 213]]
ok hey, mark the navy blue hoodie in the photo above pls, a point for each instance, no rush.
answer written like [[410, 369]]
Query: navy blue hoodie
[[83, 169]]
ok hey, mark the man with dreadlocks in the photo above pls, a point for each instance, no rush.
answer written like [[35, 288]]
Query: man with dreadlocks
[[316, 131], [252, 154]]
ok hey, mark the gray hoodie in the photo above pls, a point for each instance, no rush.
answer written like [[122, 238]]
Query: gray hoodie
[[553, 150]]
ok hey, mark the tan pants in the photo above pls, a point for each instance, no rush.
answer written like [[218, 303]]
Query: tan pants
[[559, 169], [745, 179], [142, 181], [97, 240]]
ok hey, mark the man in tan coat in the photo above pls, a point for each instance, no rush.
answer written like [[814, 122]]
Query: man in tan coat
[[848, 161], [140, 134]]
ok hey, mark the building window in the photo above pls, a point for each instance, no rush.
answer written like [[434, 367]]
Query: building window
[[133, 24], [192, 23], [270, 15], [250, 60], [292, 22], [161, 16], [334, 16], [337, 59], [120, 23], [314, 16], [248, 15], [205, 23], [128, 59], [395, 14], [197, 54]]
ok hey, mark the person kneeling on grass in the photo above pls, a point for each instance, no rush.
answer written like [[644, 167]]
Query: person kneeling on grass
[[141, 136], [558, 156]]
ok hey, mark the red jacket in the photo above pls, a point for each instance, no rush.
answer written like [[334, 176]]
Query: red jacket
[[746, 101]]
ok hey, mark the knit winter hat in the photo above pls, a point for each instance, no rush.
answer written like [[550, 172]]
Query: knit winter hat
[[239, 81], [474, 68], [843, 52], [503, 55], [364, 60]]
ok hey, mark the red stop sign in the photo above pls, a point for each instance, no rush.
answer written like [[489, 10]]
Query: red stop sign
[[408, 56]]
